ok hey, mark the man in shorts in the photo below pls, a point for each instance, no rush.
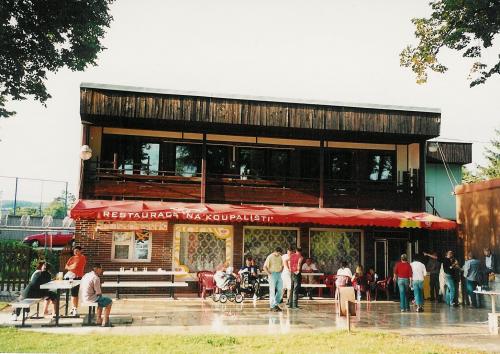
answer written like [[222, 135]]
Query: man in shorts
[[90, 291]]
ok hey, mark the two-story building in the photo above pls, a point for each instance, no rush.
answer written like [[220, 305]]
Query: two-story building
[[184, 180]]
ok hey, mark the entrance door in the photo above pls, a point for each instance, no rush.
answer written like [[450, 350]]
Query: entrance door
[[387, 253]]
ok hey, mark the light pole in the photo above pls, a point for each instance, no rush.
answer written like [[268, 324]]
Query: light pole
[[85, 154]]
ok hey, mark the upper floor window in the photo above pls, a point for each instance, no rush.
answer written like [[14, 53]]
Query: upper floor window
[[381, 166], [218, 157], [187, 159], [252, 162], [340, 164]]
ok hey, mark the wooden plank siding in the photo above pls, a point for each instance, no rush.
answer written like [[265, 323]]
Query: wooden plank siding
[[117, 105], [455, 153]]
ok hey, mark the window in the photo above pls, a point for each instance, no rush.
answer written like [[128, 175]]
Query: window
[[309, 163], [218, 159], [259, 242], [329, 247], [279, 163], [381, 166], [150, 159], [202, 247], [187, 160], [131, 246], [252, 162], [340, 165]]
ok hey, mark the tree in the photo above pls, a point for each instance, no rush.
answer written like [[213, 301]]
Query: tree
[[490, 171], [469, 26], [40, 36], [59, 206]]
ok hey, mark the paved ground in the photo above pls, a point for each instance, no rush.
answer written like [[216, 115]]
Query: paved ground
[[462, 327]]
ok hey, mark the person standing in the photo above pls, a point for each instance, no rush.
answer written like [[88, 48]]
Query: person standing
[[449, 270], [91, 292], [286, 275], [472, 274], [273, 266], [490, 264], [433, 268], [295, 263], [403, 277], [418, 275], [76, 265]]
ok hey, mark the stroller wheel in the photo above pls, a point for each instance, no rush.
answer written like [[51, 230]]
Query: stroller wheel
[[223, 298], [216, 297], [238, 298]]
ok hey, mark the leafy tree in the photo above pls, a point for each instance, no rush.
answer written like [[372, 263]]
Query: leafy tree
[[59, 206], [40, 36], [468, 26], [492, 169]]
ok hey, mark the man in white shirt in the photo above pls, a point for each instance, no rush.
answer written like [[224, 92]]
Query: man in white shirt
[[90, 291], [309, 267], [419, 272]]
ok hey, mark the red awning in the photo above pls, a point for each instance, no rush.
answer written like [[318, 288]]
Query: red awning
[[225, 213]]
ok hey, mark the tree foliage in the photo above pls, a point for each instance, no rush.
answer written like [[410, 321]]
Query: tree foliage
[[40, 36], [468, 26], [492, 169], [59, 207]]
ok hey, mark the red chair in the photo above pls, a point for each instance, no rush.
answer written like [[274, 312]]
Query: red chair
[[329, 281], [198, 275], [383, 285], [207, 284]]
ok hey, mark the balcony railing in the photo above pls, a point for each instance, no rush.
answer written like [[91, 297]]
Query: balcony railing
[[138, 182]]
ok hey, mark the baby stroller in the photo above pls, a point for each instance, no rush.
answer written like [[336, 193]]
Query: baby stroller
[[249, 285], [230, 290]]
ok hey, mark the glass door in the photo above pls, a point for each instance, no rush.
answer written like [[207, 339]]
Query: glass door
[[381, 258]]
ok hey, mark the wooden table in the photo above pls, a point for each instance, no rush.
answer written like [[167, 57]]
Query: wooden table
[[171, 284], [57, 286]]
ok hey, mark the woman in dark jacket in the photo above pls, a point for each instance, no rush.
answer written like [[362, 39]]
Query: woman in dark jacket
[[33, 290]]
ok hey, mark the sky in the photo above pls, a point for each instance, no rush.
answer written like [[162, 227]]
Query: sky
[[317, 49]]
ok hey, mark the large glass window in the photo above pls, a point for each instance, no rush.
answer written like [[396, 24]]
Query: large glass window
[[218, 157], [340, 164], [260, 242], [132, 246], [329, 247], [150, 158], [202, 247], [309, 163], [381, 166], [252, 162], [187, 159], [279, 163]]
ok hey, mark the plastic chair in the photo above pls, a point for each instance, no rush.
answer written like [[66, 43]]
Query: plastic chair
[[207, 284], [329, 281], [383, 285], [198, 275]]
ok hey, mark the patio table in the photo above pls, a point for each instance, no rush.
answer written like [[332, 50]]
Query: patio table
[[493, 317], [310, 286], [58, 286], [142, 273]]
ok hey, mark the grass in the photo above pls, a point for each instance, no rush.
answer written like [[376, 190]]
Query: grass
[[3, 305], [14, 340]]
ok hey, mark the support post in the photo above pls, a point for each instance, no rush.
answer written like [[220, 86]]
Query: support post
[[348, 315], [321, 174], [421, 174], [15, 197], [203, 169]]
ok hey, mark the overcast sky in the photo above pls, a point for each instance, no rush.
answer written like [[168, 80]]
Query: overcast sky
[[315, 49]]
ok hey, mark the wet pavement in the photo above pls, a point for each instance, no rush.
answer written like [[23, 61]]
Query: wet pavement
[[455, 326]]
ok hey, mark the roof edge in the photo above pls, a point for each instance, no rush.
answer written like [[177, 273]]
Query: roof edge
[[139, 89]]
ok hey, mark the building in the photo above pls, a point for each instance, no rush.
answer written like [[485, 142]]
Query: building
[[187, 180], [443, 171]]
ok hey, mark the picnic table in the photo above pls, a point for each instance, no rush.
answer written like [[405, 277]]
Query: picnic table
[[119, 284], [57, 286], [307, 286]]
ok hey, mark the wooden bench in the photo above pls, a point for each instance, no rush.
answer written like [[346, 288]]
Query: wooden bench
[[144, 284], [25, 305]]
